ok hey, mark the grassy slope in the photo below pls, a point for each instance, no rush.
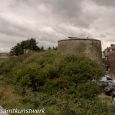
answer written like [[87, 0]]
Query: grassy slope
[[52, 81]]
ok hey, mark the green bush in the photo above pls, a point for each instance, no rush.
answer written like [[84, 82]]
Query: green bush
[[48, 69], [6, 65], [57, 82]]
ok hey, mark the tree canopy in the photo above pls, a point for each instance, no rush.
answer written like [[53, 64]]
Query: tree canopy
[[24, 46]]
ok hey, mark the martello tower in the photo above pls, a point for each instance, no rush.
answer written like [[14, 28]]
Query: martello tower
[[90, 47]]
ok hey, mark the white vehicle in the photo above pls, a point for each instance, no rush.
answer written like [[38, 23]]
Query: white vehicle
[[107, 78]]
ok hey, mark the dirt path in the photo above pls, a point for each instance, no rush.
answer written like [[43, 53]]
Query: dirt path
[[105, 98]]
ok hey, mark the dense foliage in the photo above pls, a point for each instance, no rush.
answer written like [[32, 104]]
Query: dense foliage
[[59, 83], [24, 46], [42, 68]]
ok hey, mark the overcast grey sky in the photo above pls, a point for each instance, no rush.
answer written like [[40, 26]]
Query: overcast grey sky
[[51, 20]]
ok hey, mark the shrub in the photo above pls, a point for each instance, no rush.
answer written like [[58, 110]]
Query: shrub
[[50, 70]]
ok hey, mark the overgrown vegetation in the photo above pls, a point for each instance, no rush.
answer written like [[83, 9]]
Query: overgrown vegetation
[[26, 46], [59, 83]]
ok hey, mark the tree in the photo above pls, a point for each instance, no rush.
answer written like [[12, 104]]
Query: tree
[[55, 48], [24, 46], [49, 48], [42, 48]]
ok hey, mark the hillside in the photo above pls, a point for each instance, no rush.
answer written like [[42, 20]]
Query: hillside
[[58, 83]]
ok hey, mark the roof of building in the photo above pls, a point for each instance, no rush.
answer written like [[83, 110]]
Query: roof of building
[[112, 53], [76, 38], [113, 47], [4, 52]]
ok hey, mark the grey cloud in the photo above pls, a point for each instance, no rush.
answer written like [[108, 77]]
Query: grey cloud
[[10, 28], [58, 7], [108, 33], [108, 3], [47, 44], [73, 13], [49, 37], [66, 8], [103, 35], [51, 20], [96, 28], [67, 12], [62, 11], [18, 3]]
